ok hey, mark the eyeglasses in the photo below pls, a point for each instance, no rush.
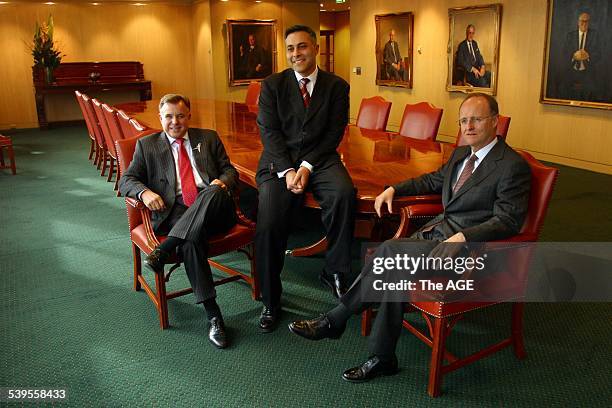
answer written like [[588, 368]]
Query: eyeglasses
[[476, 119]]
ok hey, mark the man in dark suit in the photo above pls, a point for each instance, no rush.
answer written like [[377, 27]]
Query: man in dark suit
[[185, 178], [253, 59], [303, 112], [485, 193], [582, 54], [393, 60], [469, 57]]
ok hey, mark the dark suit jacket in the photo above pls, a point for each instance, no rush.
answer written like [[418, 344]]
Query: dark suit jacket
[[492, 203], [389, 57], [592, 46], [153, 167], [291, 133], [464, 56]]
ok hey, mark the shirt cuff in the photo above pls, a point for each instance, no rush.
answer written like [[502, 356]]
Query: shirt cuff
[[281, 174], [307, 165], [140, 194]]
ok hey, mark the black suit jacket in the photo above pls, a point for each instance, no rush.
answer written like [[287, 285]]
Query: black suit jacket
[[492, 203], [291, 133], [153, 167], [464, 56], [592, 46]]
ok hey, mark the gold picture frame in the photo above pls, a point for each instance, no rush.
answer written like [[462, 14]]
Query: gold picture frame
[[251, 50], [394, 45]]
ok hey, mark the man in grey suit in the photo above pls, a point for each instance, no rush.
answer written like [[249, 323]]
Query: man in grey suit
[[485, 193], [185, 177], [470, 58], [393, 60]]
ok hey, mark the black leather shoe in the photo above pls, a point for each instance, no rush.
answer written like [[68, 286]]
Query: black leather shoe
[[216, 333], [334, 282], [156, 260], [372, 368], [269, 318], [316, 329]]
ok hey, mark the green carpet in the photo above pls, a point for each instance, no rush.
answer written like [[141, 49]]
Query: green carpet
[[69, 318]]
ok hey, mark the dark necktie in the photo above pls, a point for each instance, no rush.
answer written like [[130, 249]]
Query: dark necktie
[[188, 184], [466, 173], [304, 91]]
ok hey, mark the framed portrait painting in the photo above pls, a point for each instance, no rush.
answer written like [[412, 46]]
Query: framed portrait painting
[[252, 50], [394, 42], [577, 54], [473, 48]]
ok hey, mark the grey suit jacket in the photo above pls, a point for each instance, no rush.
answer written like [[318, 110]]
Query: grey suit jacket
[[153, 167], [290, 132], [492, 203]]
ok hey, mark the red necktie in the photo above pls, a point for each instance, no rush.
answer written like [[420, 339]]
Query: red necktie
[[466, 173], [188, 184], [304, 91]]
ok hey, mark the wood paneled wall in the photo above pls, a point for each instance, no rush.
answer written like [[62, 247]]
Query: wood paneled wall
[[574, 136]]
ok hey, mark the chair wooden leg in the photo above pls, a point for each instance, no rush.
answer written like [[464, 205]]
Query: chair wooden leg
[[118, 172], [91, 149], [111, 168], [98, 157], [104, 160], [11, 155], [437, 357], [162, 301], [1, 157], [366, 321], [517, 330], [137, 266]]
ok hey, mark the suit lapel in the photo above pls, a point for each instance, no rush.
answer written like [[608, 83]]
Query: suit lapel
[[166, 159], [199, 155], [447, 191]]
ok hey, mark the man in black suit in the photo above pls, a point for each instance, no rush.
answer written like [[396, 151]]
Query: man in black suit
[[485, 193], [303, 112], [253, 59], [185, 178], [469, 57], [582, 54], [393, 60]]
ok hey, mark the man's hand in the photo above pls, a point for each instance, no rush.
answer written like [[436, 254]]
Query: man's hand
[[448, 248], [476, 72], [301, 180], [289, 176], [396, 66], [581, 55], [384, 197], [152, 200], [241, 51], [219, 183], [258, 67], [482, 71]]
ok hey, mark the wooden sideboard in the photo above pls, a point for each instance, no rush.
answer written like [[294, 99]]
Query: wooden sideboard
[[71, 76]]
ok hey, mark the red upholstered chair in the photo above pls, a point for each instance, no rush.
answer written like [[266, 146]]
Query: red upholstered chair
[[137, 127], [421, 121], [109, 152], [92, 136], [239, 238], [7, 143], [503, 124], [124, 123], [252, 96], [373, 113], [112, 122], [441, 316], [101, 155]]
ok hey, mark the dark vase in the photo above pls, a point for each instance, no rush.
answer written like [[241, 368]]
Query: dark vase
[[49, 78]]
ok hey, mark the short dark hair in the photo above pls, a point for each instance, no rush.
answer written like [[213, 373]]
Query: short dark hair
[[468, 27], [493, 107], [174, 99], [297, 28]]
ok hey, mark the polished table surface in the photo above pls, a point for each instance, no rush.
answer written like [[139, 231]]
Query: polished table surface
[[374, 159]]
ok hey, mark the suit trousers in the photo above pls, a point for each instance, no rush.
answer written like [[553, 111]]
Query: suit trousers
[[388, 323], [333, 189], [213, 212]]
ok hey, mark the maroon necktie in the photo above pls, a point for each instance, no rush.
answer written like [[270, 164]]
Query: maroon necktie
[[188, 184], [466, 173], [304, 91]]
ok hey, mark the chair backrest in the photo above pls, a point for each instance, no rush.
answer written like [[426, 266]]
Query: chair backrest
[[124, 123], [421, 121], [79, 98], [373, 113], [503, 124], [252, 96], [93, 118], [110, 114], [543, 179], [137, 127], [97, 106]]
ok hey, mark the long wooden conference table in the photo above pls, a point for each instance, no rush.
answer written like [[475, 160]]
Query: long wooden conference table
[[374, 159]]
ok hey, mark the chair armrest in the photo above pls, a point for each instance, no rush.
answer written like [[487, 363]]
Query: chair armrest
[[416, 211], [145, 214], [242, 219]]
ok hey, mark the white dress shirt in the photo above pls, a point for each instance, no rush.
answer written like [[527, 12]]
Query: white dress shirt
[[175, 153], [480, 154]]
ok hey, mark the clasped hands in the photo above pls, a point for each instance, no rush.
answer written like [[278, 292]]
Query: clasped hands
[[297, 180], [448, 248], [478, 72], [581, 55], [154, 202]]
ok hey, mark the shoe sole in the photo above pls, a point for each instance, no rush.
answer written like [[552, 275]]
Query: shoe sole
[[381, 374]]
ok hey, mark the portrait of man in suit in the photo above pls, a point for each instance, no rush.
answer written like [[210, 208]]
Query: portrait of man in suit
[[394, 65], [253, 59], [184, 176], [485, 189], [471, 61], [303, 112]]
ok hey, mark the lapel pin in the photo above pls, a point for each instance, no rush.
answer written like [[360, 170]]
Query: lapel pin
[[197, 148]]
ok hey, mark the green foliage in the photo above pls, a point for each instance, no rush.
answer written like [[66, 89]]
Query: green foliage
[[43, 50]]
